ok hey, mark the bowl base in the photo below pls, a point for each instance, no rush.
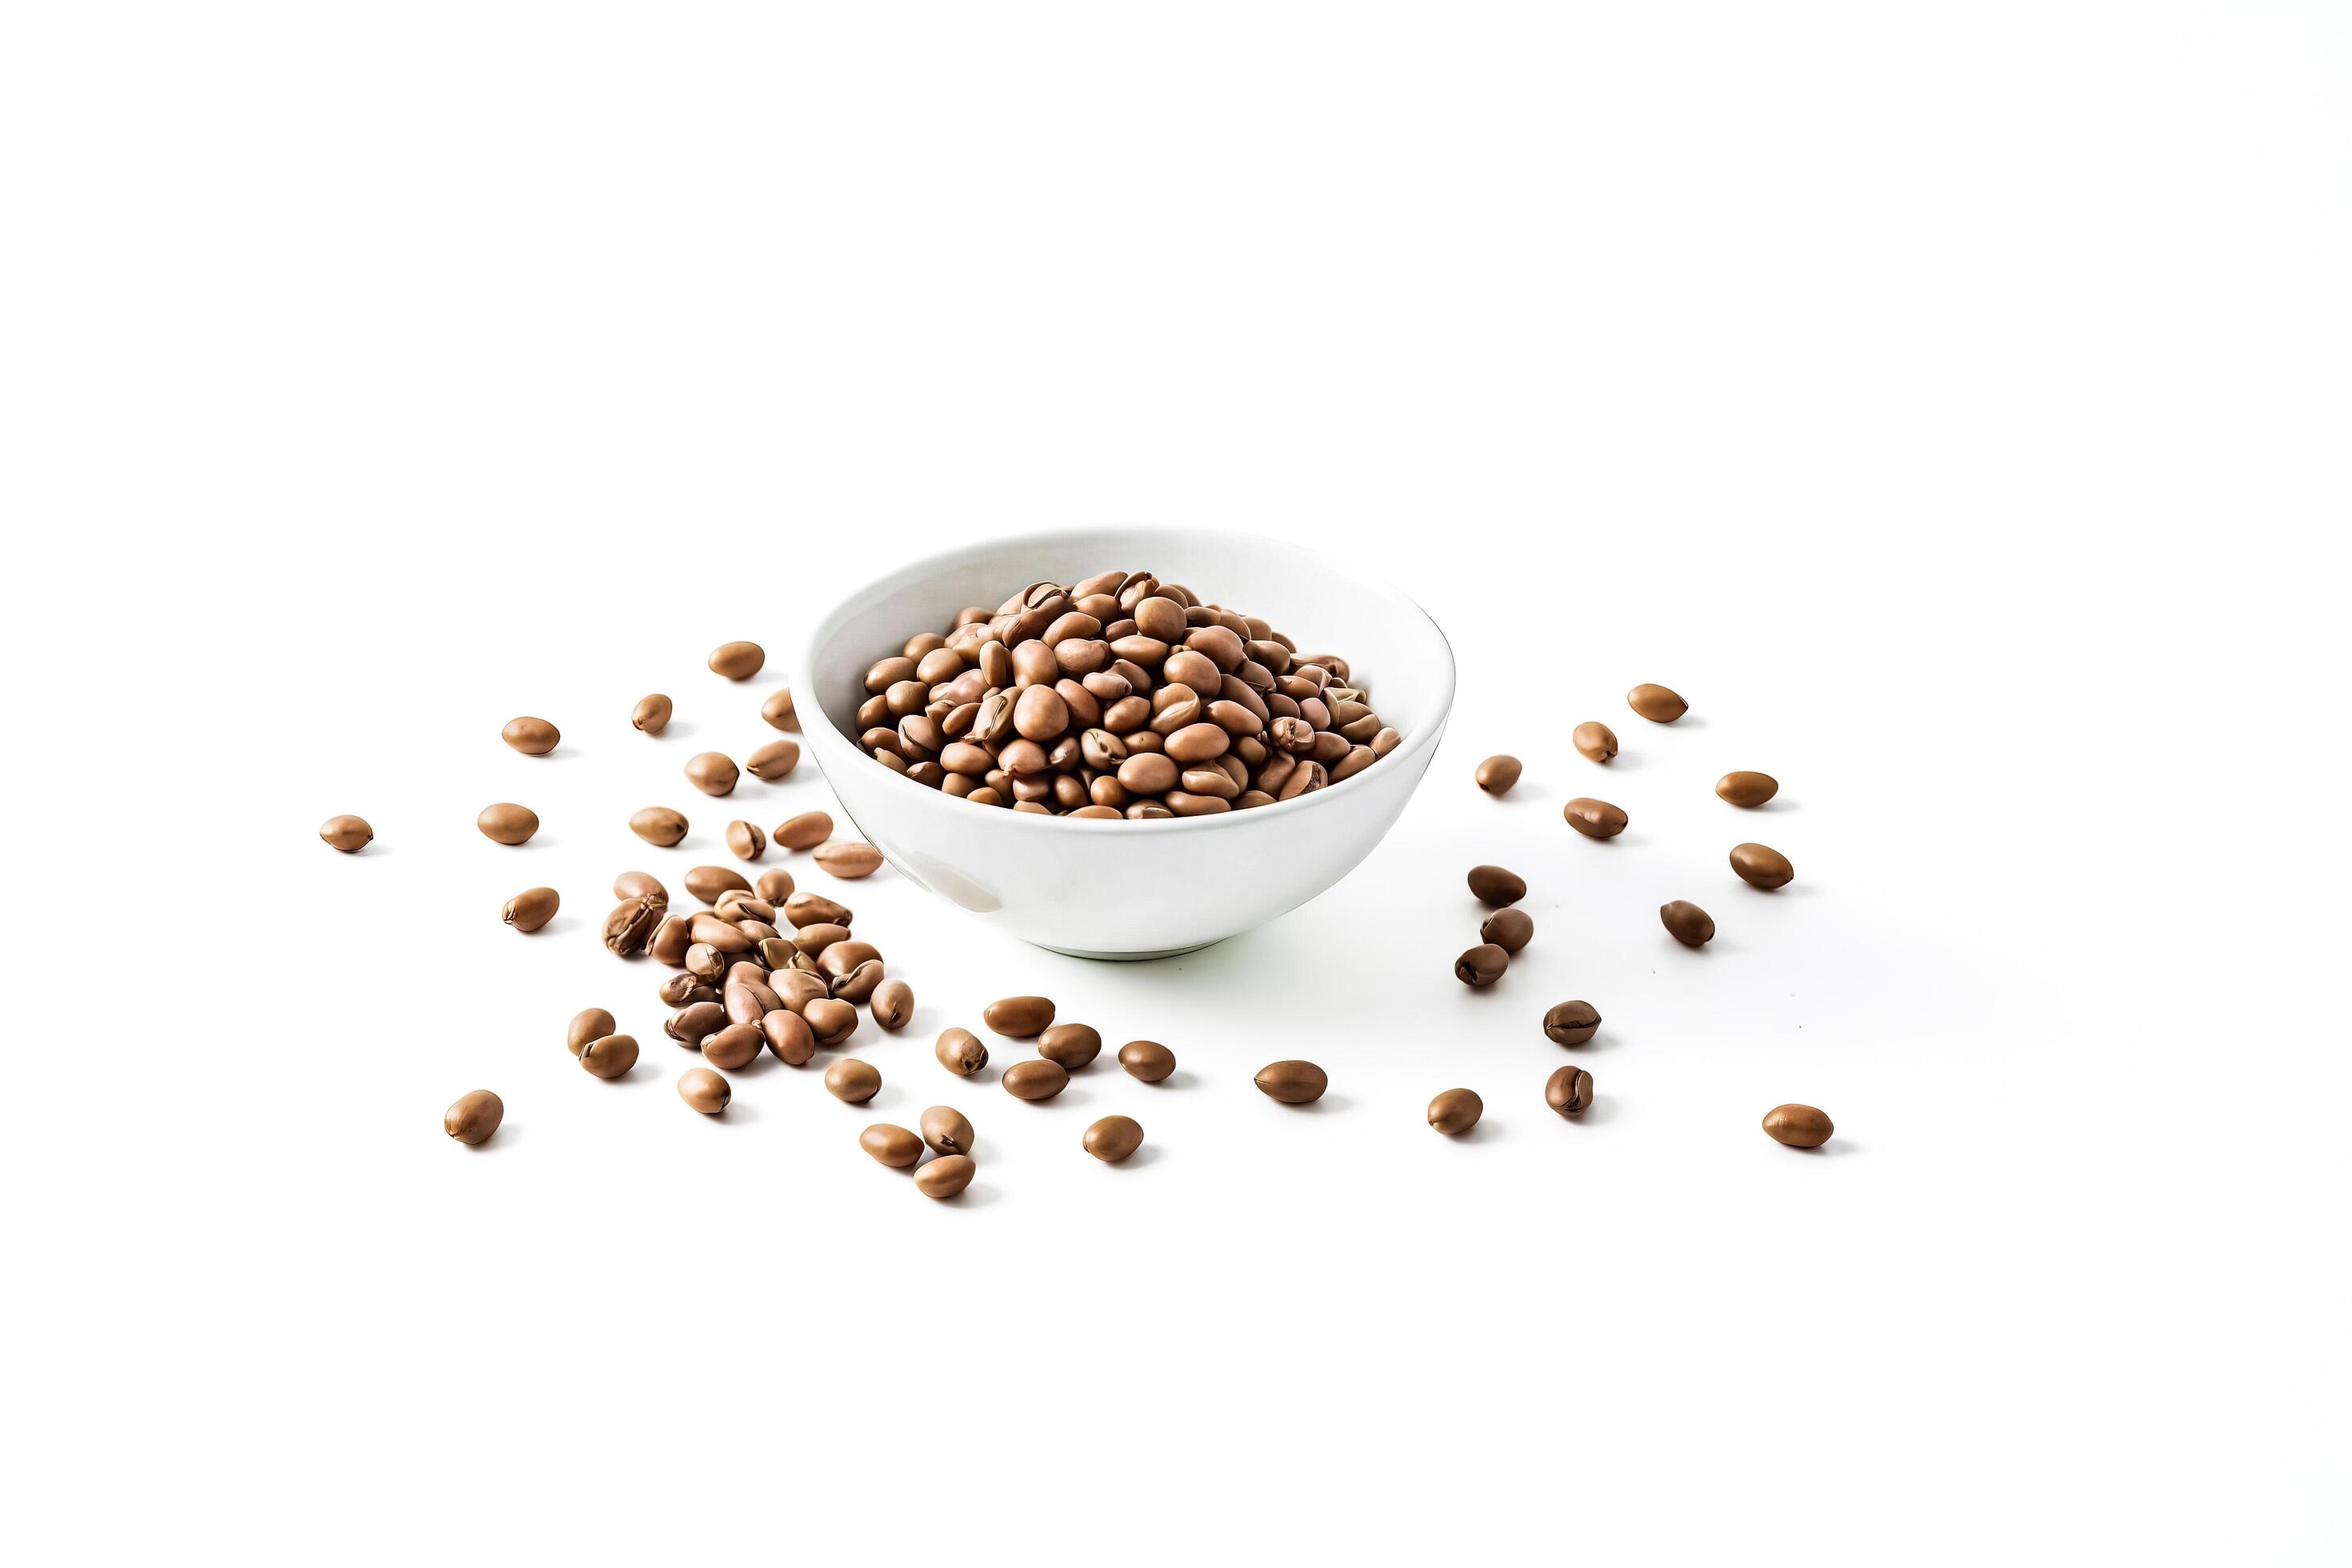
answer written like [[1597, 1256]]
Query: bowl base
[[1129, 957]]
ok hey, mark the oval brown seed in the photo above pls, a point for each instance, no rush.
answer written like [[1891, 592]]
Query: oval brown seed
[[844, 955], [640, 885], [1019, 1018], [349, 833], [658, 825], [1072, 1044], [1568, 1090], [788, 1035], [946, 1130], [532, 737], [1455, 1112], [610, 1057], [778, 710], [946, 1177], [1497, 775], [847, 858], [631, 926], [474, 1117], [531, 909], [691, 1025], [806, 831], [1036, 1078], [1113, 1138], [737, 660], [1748, 789], [1507, 929], [651, 714], [852, 1080], [1293, 1082], [1798, 1126], [1594, 818], [507, 823], [814, 910], [705, 1090], [1759, 867], [746, 840], [1481, 965], [960, 1052], [733, 1046], [892, 1005], [1595, 739], [1147, 1059], [588, 1024], [830, 1019], [775, 885], [1494, 885], [1571, 1022], [773, 761], [712, 772], [1658, 704], [708, 882], [1687, 922], [893, 1146]]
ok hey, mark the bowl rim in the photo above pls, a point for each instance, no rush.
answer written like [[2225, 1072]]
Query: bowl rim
[[939, 561]]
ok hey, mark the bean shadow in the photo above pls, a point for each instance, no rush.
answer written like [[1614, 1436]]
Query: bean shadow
[[1148, 1154]]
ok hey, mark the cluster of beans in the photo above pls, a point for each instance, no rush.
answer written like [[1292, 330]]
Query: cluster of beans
[[1118, 696]]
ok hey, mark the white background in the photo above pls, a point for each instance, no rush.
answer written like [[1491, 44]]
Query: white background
[[1950, 400]]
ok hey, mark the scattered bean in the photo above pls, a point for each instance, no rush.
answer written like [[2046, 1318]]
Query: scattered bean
[[746, 840], [852, 1080], [1035, 1078], [946, 1177], [532, 737], [1495, 887], [737, 660], [531, 909], [1748, 789], [588, 1024], [712, 772], [1019, 1018], [1072, 1044], [1657, 703], [1507, 929], [1798, 1126], [507, 823], [708, 882], [1568, 1090], [778, 710], [772, 762], [1455, 1112], [705, 1090], [658, 825], [651, 714], [806, 831], [960, 1052], [893, 1146], [349, 833], [848, 859], [1481, 965], [1761, 868], [1595, 739], [1687, 922], [1293, 1082], [474, 1117], [1594, 818], [609, 1057], [1113, 1138], [946, 1130], [1571, 1022], [1147, 1059], [1497, 775]]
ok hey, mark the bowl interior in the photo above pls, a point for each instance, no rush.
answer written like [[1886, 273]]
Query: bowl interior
[[1394, 649]]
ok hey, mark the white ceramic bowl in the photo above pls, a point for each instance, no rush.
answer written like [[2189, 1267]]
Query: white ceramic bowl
[[1129, 889]]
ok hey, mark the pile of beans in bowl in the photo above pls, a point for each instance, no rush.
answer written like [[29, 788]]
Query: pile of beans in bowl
[[1118, 696]]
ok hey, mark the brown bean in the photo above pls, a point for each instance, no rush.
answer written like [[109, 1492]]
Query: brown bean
[[772, 762], [775, 885], [651, 714], [1687, 922], [892, 1005], [670, 942], [1293, 1082], [588, 1024], [1019, 1018], [1571, 1022], [746, 840], [960, 1052], [1507, 929], [691, 1024], [1147, 1060], [830, 1019], [1657, 703], [708, 882], [1495, 887], [531, 909], [712, 772], [947, 1130], [1496, 775], [1455, 1112], [733, 1046], [1568, 1090], [814, 909], [609, 1057], [507, 823], [1113, 1138], [705, 1090], [1035, 1078], [474, 1117], [806, 831], [737, 660], [1481, 965], [532, 737], [847, 858], [1072, 1044], [1798, 1126], [631, 925], [852, 1080], [1595, 739], [778, 710], [640, 885], [1594, 818], [1759, 867], [893, 1146], [349, 833], [789, 1037], [1748, 789], [946, 1177], [658, 825]]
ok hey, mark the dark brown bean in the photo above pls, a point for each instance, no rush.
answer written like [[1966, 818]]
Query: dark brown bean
[[1571, 1022], [1455, 1112], [1798, 1126], [1035, 1078], [814, 909], [1293, 1082], [1497, 775], [1481, 965], [691, 1024], [474, 1117], [705, 1090], [507, 823], [1748, 789], [1147, 1059], [1568, 1090], [1072, 1044], [1019, 1018], [1595, 740], [1113, 1138], [1495, 887], [1594, 818], [658, 825], [1657, 703], [532, 737], [960, 1052], [531, 909], [1507, 929], [893, 1146], [349, 833], [1687, 922], [946, 1177], [1759, 867]]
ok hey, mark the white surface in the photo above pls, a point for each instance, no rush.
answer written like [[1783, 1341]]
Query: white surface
[[1949, 401], [1127, 890]]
